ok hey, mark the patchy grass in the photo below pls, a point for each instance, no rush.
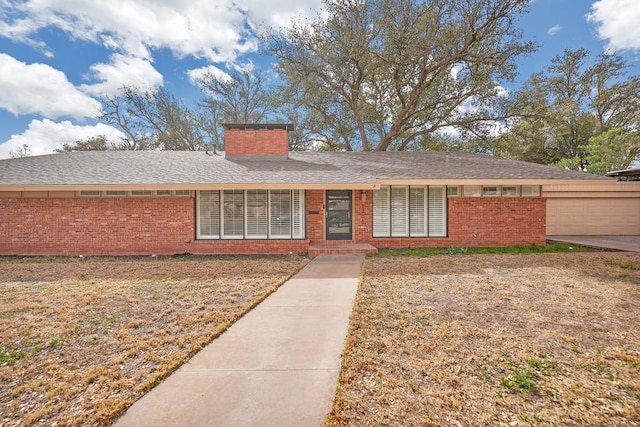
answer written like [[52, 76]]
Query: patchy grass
[[80, 341], [550, 247], [505, 340]]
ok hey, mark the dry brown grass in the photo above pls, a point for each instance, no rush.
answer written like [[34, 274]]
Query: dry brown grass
[[513, 340], [82, 340]]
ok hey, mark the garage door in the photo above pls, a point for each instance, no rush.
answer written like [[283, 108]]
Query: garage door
[[593, 216]]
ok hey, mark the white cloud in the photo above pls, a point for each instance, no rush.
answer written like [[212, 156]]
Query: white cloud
[[44, 136], [202, 28], [218, 30], [41, 89], [123, 71], [197, 74], [554, 30], [279, 13], [617, 22]]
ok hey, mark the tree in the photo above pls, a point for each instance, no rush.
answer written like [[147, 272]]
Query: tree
[[23, 151], [154, 120], [251, 97], [568, 103], [612, 150], [381, 74], [94, 143], [615, 96], [239, 97]]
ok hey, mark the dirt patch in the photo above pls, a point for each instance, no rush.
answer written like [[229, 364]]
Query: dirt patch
[[513, 340], [81, 340]]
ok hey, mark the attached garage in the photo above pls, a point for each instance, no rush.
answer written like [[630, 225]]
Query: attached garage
[[604, 209]]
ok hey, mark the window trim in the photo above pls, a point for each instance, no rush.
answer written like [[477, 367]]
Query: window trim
[[120, 193], [508, 188], [385, 213], [296, 219], [491, 191]]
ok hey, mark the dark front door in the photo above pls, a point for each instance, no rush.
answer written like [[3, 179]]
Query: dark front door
[[339, 218]]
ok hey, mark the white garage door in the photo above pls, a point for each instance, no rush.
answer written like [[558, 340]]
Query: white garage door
[[599, 216]]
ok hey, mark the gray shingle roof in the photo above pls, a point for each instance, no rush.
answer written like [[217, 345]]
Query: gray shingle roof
[[316, 168]]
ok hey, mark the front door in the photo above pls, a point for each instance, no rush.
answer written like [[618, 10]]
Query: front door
[[339, 215]]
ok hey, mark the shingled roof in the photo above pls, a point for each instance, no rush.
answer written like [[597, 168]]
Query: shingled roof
[[301, 169]]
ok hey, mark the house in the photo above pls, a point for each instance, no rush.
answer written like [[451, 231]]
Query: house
[[257, 197]]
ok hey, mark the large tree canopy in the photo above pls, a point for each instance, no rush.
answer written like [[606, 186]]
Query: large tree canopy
[[382, 74], [577, 113]]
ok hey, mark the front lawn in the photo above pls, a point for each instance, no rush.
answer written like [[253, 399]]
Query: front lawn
[[506, 340], [81, 340]]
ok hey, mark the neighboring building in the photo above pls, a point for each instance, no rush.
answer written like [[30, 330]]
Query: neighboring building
[[259, 198]]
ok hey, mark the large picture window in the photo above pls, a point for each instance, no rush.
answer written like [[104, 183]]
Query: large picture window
[[409, 211], [250, 214]]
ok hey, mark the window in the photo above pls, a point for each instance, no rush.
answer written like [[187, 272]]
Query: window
[[530, 191], [280, 208], [472, 190], [257, 213], [298, 215], [208, 214], [233, 214], [250, 214], [399, 211], [510, 191], [418, 211], [490, 190], [133, 193], [415, 211], [453, 191], [437, 212], [381, 214]]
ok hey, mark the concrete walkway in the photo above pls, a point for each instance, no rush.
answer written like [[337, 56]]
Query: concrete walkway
[[276, 366], [620, 243]]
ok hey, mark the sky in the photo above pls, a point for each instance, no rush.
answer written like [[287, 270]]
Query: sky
[[59, 57]]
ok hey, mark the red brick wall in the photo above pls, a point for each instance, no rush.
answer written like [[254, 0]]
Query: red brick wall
[[116, 226], [500, 221], [363, 213], [96, 226], [485, 221], [315, 222], [144, 226], [256, 142]]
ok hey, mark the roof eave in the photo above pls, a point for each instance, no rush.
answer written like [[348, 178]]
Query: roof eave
[[199, 186]]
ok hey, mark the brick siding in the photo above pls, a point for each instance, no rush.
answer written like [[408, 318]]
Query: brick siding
[[315, 221], [144, 226], [256, 142], [116, 226], [484, 221]]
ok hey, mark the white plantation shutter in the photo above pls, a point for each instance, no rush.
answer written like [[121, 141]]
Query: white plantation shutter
[[399, 211], [298, 214], [233, 214], [381, 218], [437, 211], [209, 214], [280, 214], [257, 211], [418, 211]]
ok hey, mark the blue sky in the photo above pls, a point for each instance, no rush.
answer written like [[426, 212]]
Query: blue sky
[[57, 58]]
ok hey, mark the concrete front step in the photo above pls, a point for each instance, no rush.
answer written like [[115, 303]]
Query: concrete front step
[[333, 248]]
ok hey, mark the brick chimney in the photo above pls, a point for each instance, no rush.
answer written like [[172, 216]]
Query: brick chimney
[[264, 140]]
